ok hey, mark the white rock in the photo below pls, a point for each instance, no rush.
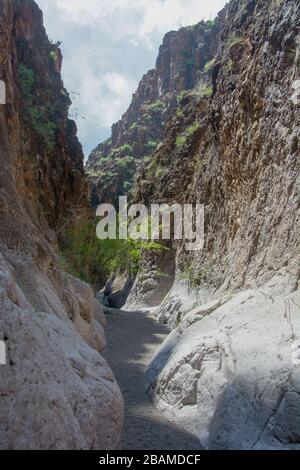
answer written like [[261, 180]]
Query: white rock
[[229, 377], [57, 392]]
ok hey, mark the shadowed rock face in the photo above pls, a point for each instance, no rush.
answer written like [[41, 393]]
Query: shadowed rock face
[[41, 158], [57, 392]]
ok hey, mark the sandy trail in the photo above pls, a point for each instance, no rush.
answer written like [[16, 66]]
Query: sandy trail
[[133, 338]]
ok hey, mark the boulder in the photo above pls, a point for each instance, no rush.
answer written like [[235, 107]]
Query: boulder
[[230, 373], [57, 391]]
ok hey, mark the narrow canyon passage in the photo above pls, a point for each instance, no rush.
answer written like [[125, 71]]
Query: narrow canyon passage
[[133, 337]]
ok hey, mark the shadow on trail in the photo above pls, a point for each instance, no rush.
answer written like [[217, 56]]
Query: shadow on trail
[[133, 338]]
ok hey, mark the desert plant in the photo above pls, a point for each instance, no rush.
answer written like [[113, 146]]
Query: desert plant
[[42, 125], [209, 65], [150, 146], [202, 90], [156, 107], [26, 78], [182, 139], [193, 274], [133, 126], [87, 257], [181, 96], [210, 23]]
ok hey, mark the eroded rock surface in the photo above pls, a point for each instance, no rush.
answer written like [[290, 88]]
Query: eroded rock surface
[[229, 373], [57, 392]]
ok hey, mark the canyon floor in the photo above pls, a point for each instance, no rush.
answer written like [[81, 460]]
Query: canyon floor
[[133, 338]]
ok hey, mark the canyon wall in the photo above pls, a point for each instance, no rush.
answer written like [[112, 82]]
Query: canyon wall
[[57, 392], [229, 371], [179, 67]]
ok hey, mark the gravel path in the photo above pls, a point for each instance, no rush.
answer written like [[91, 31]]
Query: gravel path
[[132, 340]]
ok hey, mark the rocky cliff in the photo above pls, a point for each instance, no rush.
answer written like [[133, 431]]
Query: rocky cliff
[[183, 63], [57, 392], [237, 152], [229, 371]]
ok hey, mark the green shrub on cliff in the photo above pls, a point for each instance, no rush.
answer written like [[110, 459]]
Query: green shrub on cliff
[[133, 126], [155, 108], [202, 90], [45, 129], [125, 149], [93, 260], [26, 77], [193, 274], [182, 139], [150, 146], [180, 97], [209, 65], [40, 121]]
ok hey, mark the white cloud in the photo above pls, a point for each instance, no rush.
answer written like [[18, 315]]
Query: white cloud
[[136, 18], [108, 45]]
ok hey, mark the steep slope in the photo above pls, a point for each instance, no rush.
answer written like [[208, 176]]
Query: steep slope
[[237, 152], [229, 371], [57, 392], [179, 67]]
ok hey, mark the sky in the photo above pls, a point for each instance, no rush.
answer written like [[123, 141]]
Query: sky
[[107, 46]]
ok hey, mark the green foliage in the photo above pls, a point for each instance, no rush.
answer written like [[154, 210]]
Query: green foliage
[[150, 146], [180, 97], [276, 3], [123, 162], [155, 108], [133, 126], [192, 129], [179, 114], [26, 77], [54, 55], [193, 274], [43, 127], [189, 132], [120, 151], [202, 90], [160, 172], [181, 141], [178, 319], [232, 39], [127, 186], [156, 169], [210, 23], [87, 257], [125, 149], [103, 159], [209, 65]]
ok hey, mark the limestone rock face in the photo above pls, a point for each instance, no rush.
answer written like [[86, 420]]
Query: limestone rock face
[[154, 280], [57, 392], [229, 372], [237, 152]]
